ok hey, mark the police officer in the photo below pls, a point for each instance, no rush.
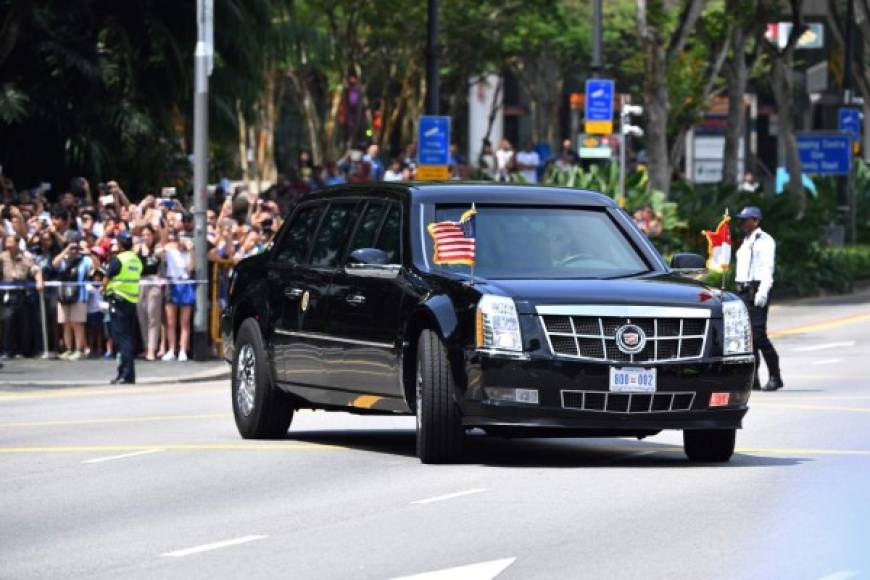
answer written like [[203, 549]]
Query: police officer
[[754, 277], [122, 291]]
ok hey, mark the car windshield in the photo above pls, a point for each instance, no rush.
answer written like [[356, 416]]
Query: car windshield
[[544, 243]]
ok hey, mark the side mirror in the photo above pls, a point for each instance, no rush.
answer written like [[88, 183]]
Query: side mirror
[[688, 263], [370, 263]]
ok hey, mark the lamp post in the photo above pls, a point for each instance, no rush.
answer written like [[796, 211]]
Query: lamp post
[[202, 70]]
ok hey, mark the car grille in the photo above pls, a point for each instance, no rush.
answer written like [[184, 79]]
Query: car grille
[[606, 402], [594, 338]]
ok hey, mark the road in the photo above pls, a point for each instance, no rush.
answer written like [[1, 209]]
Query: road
[[154, 482]]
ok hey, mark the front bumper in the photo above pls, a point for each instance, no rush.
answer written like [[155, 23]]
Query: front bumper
[[551, 376]]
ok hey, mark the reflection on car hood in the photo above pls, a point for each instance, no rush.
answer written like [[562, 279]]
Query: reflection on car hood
[[665, 290]]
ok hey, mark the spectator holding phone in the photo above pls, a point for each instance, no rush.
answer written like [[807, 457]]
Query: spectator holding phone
[[181, 298], [74, 270], [150, 304], [18, 305]]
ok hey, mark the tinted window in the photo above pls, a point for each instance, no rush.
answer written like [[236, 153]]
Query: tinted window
[[368, 226], [546, 243], [390, 238], [333, 231], [295, 243]]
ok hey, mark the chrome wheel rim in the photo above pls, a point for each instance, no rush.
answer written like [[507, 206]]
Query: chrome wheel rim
[[246, 377]]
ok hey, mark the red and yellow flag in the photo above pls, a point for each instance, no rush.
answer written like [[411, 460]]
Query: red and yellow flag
[[719, 246]]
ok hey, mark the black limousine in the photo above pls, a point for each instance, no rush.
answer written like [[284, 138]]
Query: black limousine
[[570, 322]]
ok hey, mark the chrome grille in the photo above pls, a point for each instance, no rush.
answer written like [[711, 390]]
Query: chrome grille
[[594, 338], [628, 403]]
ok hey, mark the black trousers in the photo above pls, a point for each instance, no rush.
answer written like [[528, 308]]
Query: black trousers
[[760, 341], [123, 316], [18, 323]]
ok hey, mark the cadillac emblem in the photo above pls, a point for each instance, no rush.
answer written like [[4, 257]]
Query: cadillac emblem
[[630, 339]]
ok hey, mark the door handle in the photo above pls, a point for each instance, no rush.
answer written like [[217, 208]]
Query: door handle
[[293, 292], [355, 299]]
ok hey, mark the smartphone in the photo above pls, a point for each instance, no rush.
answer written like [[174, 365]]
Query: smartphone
[[167, 192], [107, 199]]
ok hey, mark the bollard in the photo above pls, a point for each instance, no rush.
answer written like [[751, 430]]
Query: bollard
[[46, 352]]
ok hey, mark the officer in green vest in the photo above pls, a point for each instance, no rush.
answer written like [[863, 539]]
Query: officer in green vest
[[122, 291]]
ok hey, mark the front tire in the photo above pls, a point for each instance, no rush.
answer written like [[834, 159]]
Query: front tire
[[440, 434], [260, 409], [709, 445]]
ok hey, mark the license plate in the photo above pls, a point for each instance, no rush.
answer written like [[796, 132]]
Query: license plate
[[632, 380]]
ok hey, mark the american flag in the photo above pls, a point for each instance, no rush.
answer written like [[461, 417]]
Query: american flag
[[454, 241]]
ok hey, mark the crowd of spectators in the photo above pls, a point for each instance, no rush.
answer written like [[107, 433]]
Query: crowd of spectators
[[57, 245]]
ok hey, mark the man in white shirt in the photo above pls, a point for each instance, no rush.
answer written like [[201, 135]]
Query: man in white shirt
[[528, 162], [754, 277]]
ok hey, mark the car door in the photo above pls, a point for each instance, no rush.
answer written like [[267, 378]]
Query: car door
[[289, 279], [327, 250], [366, 309]]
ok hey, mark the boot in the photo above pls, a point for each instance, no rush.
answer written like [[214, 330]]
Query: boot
[[774, 384]]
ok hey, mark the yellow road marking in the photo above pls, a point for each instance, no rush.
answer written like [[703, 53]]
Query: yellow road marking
[[777, 451], [176, 447], [819, 326], [116, 420], [810, 407], [101, 391]]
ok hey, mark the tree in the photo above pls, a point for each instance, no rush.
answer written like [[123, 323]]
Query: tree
[[659, 52]]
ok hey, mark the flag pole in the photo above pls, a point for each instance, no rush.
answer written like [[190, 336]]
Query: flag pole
[[474, 261]]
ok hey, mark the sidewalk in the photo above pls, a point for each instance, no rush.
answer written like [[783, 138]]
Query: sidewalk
[[36, 372]]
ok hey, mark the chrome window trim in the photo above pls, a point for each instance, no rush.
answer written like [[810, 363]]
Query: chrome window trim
[[623, 311], [327, 337]]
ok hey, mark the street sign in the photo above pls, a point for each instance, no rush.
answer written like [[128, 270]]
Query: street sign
[[595, 147], [599, 106], [825, 153], [849, 122], [433, 140], [432, 173]]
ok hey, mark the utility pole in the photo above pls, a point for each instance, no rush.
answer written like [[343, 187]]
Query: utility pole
[[432, 89], [597, 66], [202, 69]]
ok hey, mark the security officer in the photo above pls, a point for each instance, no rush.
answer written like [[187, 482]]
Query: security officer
[[122, 291], [754, 277]]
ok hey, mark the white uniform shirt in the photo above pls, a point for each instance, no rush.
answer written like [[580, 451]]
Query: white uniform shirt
[[755, 261]]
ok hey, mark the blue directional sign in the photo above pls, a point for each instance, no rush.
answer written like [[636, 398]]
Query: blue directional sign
[[825, 153], [433, 140], [850, 122], [599, 106]]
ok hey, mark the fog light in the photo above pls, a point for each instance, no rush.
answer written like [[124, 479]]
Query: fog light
[[526, 396], [719, 399]]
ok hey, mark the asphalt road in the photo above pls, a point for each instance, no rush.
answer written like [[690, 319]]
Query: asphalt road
[[154, 482]]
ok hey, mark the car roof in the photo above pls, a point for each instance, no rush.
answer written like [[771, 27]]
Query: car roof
[[459, 192]]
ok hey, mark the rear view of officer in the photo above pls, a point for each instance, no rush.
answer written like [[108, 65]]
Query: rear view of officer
[[754, 277], [122, 292]]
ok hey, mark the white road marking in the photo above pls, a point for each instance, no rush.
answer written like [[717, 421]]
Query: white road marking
[[214, 546], [449, 496], [841, 575], [825, 346], [479, 571], [827, 361], [124, 456]]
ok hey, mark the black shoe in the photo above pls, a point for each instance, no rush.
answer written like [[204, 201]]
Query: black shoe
[[120, 381], [774, 384]]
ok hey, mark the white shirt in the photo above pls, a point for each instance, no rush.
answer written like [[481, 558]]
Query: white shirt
[[503, 158], [529, 158], [755, 260], [390, 175], [177, 264]]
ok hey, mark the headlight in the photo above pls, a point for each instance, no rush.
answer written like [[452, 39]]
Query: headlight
[[737, 328], [497, 324]]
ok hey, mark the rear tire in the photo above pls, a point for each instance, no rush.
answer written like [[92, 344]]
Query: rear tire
[[709, 445], [260, 409], [440, 434]]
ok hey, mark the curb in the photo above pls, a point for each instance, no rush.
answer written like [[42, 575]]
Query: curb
[[201, 377]]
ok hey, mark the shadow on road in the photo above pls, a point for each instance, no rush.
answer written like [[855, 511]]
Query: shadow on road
[[570, 452]]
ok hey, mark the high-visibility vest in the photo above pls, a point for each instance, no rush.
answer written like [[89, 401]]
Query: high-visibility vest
[[126, 283]]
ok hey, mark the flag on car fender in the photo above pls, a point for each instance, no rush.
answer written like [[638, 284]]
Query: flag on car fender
[[719, 246], [455, 241]]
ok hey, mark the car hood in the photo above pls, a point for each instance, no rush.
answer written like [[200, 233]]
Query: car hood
[[662, 290]]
